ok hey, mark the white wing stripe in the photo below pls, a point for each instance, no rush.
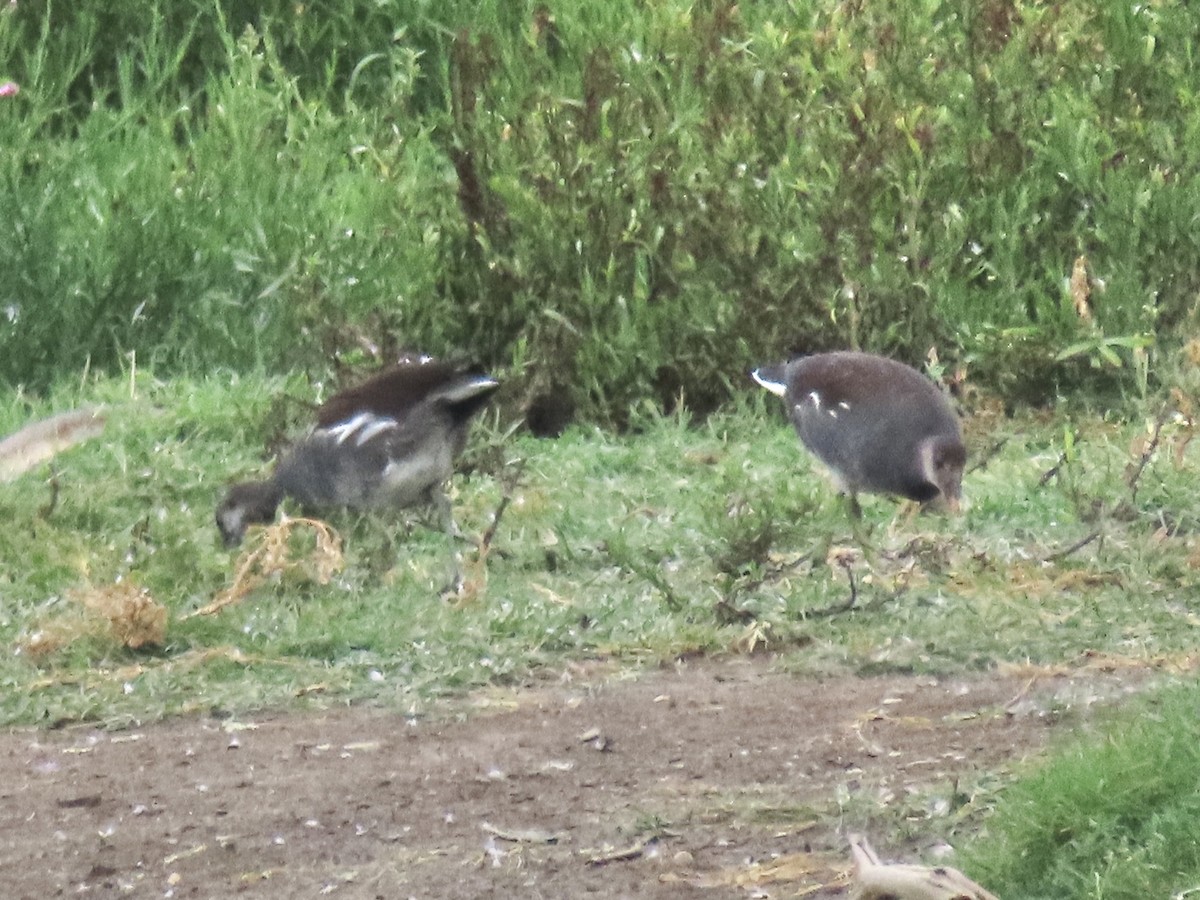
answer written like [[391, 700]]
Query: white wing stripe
[[363, 427], [775, 387]]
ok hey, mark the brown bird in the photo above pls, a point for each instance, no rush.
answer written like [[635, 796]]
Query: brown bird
[[881, 426], [390, 441]]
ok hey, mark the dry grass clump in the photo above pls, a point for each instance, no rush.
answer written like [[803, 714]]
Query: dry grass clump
[[122, 612], [272, 556], [136, 619]]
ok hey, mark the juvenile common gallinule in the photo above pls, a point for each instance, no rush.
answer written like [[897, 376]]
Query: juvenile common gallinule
[[390, 441], [881, 426]]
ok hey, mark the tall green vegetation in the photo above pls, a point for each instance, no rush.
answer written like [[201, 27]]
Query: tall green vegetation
[[627, 202]]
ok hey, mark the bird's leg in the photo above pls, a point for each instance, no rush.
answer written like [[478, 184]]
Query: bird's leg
[[437, 495], [858, 529], [904, 515]]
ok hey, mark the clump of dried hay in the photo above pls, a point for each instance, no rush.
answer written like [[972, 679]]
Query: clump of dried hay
[[271, 556], [123, 612]]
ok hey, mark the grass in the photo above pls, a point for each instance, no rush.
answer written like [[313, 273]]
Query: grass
[[1110, 816], [678, 538]]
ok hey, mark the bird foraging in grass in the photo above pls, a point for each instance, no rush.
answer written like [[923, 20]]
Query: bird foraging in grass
[[392, 441], [881, 426]]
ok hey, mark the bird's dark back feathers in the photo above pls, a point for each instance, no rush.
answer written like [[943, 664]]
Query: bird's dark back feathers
[[397, 391]]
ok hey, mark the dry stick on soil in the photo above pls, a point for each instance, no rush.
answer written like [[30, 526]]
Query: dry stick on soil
[[878, 881], [1020, 695], [523, 835], [625, 854]]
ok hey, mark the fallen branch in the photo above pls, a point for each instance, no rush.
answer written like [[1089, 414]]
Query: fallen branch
[[767, 574], [523, 835], [987, 456], [52, 504], [510, 483], [844, 557], [40, 441], [875, 880], [1049, 474], [624, 854]]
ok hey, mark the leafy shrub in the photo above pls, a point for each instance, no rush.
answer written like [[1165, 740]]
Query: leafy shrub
[[625, 203]]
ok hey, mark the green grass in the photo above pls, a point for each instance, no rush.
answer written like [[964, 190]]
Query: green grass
[[677, 538], [638, 548], [1110, 816]]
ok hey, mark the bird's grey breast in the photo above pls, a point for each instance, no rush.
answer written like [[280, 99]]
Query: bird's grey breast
[[420, 453]]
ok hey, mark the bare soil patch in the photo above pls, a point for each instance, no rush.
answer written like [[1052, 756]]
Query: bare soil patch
[[713, 775]]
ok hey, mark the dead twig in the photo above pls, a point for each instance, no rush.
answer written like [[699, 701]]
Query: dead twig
[[512, 480], [625, 854], [1017, 698], [768, 574], [40, 441], [473, 586], [52, 504], [832, 609], [1134, 476], [1049, 474], [988, 455], [728, 614], [844, 557], [1078, 545], [523, 835]]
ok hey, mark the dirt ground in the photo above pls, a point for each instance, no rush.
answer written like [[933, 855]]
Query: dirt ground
[[711, 779]]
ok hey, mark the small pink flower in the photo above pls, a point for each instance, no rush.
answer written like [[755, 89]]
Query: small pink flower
[[9, 88]]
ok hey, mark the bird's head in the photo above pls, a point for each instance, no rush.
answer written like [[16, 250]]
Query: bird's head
[[943, 459], [248, 503]]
